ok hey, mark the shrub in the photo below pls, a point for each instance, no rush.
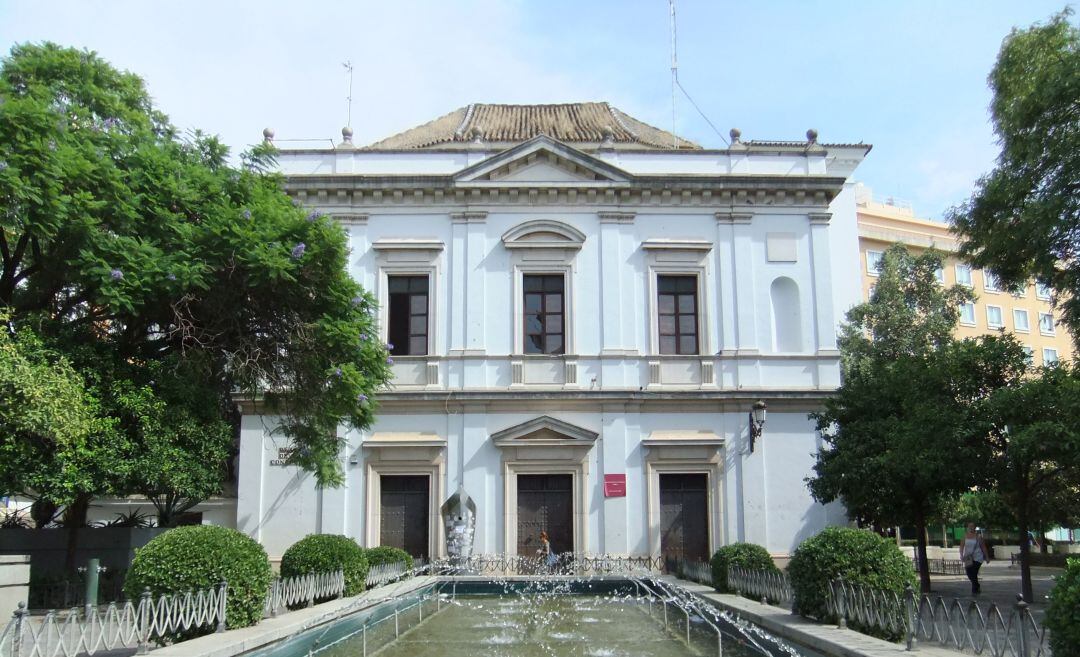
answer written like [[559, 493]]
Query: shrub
[[200, 557], [747, 555], [385, 554], [858, 556], [1063, 614], [323, 553]]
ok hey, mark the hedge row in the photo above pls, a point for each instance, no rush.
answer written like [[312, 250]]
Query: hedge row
[[202, 556]]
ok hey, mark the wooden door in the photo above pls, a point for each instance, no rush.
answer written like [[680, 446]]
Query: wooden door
[[545, 503], [684, 516], [404, 513]]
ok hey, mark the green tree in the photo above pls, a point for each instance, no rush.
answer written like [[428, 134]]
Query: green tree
[[897, 432], [1023, 218], [1033, 430], [171, 280]]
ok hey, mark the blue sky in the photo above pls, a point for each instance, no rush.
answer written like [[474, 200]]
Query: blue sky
[[908, 77]]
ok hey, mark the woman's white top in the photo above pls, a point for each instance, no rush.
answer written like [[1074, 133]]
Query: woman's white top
[[973, 549]]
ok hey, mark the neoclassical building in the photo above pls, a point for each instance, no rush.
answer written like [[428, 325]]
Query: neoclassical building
[[583, 310]]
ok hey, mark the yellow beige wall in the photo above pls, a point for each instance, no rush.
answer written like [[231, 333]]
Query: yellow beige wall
[[882, 225]]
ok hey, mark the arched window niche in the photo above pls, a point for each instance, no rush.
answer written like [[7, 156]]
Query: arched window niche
[[786, 316]]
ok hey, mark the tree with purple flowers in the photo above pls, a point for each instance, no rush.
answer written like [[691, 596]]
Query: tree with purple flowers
[[172, 282]]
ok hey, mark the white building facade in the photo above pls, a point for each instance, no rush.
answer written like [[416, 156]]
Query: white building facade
[[583, 310]]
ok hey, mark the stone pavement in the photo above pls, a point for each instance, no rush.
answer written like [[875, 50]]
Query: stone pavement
[[1000, 584]]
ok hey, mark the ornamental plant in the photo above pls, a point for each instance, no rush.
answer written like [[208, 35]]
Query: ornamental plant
[[377, 556], [324, 553], [857, 556], [200, 557], [1063, 614], [746, 555]]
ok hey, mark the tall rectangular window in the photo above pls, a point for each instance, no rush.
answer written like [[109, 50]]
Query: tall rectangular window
[[873, 262], [993, 317], [408, 308], [545, 312], [1020, 320], [677, 314], [990, 282], [1046, 323], [967, 313], [963, 275], [1050, 356]]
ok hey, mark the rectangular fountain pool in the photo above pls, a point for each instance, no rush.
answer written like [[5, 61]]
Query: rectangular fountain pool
[[612, 618]]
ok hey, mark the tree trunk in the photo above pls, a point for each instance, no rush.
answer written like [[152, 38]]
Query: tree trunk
[[1025, 554], [920, 552], [74, 520], [42, 512]]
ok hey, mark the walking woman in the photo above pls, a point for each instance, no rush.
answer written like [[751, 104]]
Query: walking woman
[[974, 553], [547, 557]]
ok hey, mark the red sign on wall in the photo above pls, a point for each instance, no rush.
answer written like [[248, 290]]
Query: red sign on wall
[[615, 485]]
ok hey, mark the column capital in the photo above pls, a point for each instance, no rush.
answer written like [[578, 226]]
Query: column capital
[[819, 218], [609, 217], [733, 217], [469, 217]]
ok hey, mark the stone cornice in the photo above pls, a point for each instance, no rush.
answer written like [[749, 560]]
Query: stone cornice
[[350, 192]]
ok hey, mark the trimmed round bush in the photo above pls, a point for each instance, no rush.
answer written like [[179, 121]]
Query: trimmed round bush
[[377, 556], [200, 557], [857, 555], [746, 555], [325, 553], [1063, 614]]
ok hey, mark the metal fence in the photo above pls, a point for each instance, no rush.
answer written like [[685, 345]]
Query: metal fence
[[941, 566], [578, 564], [769, 586], [302, 590], [694, 571], [64, 593], [958, 624], [81, 631], [385, 572]]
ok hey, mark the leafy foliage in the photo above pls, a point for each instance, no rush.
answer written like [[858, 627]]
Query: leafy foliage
[[900, 435], [323, 553], [377, 556], [170, 281], [200, 557], [747, 555], [1023, 218], [1063, 614], [856, 555], [1033, 430]]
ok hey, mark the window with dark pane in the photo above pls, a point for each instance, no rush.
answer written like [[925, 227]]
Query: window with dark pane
[[545, 326], [408, 326], [677, 314]]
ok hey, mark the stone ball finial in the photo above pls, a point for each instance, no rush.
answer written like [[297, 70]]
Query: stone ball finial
[[346, 135], [811, 136], [476, 135], [268, 134], [608, 132], [736, 135]]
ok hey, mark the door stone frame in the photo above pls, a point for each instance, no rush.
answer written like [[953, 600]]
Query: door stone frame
[[545, 445], [699, 455], [424, 456]]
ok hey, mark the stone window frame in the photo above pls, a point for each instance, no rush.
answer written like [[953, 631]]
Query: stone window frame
[[409, 258], [658, 269], [674, 459]]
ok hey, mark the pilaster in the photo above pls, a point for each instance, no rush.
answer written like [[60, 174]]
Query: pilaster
[[822, 289], [616, 326]]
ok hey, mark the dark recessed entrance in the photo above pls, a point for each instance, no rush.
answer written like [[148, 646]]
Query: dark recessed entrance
[[684, 516], [404, 513], [545, 503]]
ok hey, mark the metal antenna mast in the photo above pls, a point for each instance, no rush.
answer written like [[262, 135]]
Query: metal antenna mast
[[348, 98], [674, 73]]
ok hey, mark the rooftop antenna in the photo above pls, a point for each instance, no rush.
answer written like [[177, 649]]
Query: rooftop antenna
[[348, 98], [674, 74]]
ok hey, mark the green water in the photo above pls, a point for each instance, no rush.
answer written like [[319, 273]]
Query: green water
[[540, 626]]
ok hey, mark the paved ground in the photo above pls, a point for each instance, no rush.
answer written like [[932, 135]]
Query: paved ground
[[1000, 584]]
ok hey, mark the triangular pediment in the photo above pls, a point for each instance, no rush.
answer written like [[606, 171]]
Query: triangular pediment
[[542, 160], [544, 430]]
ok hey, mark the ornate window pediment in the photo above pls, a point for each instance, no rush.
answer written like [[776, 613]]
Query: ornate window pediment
[[543, 234], [544, 431]]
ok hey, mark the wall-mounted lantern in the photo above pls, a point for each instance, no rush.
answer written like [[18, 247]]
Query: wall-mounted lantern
[[757, 422]]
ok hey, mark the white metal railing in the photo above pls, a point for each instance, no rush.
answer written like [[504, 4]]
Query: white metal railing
[[385, 572], [958, 624], [303, 589], [769, 586], [86, 631]]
